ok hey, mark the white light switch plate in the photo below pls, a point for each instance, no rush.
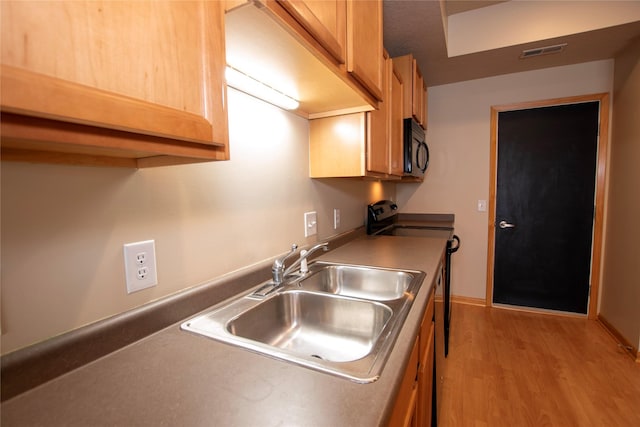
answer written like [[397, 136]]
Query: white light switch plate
[[482, 205], [310, 224]]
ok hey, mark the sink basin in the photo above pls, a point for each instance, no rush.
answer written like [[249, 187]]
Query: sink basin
[[320, 326], [338, 319], [376, 284]]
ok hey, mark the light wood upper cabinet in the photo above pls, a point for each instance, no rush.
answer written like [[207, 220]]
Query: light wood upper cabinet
[[361, 144], [379, 123], [419, 96], [337, 146], [265, 42], [116, 83], [325, 20], [349, 31], [385, 144], [364, 44], [415, 89], [396, 138]]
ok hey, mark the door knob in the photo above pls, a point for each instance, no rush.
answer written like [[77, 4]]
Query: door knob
[[505, 224]]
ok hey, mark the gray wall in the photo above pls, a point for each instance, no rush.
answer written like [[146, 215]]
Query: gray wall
[[620, 301]]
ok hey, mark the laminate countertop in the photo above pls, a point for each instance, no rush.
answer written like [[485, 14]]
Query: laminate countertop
[[173, 377]]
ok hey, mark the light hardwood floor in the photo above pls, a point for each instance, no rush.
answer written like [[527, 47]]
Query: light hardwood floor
[[508, 368]]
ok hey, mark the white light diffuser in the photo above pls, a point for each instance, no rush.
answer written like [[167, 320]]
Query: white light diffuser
[[247, 84]]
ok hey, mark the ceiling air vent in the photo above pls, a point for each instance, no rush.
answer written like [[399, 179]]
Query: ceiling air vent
[[557, 48]]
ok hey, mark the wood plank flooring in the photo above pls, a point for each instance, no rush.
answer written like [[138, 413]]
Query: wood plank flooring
[[509, 368]]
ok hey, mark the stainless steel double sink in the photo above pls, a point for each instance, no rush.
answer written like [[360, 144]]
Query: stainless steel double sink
[[339, 319]]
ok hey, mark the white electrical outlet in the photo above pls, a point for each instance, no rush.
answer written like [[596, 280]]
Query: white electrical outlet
[[140, 265], [310, 224], [336, 219]]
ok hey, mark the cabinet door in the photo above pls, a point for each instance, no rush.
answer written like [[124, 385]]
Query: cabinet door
[[404, 411], [364, 44], [425, 380], [150, 68], [378, 132], [424, 106], [417, 105], [405, 66], [420, 99], [415, 89], [396, 147], [337, 146], [325, 20]]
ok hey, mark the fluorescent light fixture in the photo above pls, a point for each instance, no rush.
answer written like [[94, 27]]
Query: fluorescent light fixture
[[247, 84]]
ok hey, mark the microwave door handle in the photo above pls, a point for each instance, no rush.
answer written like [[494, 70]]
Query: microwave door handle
[[422, 146]]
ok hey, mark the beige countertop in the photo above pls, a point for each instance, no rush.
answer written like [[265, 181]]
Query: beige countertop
[[175, 378]]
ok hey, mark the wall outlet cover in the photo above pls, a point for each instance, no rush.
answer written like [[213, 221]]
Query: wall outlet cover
[[140, 265]]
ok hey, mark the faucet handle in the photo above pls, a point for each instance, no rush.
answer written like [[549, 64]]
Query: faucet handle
[[278, 265]]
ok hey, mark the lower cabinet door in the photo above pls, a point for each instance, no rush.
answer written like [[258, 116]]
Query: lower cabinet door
[[425, 382], [404, 411]]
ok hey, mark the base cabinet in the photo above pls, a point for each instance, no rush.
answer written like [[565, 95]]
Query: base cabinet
[[414, 402], [425, 374], [404, 412]]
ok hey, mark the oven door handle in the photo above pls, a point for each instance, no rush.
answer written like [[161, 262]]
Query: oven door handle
[[455, 248]]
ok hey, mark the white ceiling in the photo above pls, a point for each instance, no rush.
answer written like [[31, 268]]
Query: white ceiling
[[417, 27]]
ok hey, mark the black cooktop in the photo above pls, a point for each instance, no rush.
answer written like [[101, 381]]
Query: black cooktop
[[383, 218]]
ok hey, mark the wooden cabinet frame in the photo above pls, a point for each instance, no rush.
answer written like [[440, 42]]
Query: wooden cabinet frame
[[56, 119]]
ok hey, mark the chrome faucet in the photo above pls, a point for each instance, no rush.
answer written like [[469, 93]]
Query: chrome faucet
[[280, 272], [303, 258]]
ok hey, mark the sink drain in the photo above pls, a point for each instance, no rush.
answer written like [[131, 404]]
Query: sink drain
[[317, 356]]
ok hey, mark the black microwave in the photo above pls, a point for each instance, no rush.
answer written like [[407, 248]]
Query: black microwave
[[416, 152]]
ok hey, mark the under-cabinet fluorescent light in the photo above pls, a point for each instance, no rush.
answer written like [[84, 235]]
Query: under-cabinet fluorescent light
[[247, 84]]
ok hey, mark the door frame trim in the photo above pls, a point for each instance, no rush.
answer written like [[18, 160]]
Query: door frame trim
[[601, 166]]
